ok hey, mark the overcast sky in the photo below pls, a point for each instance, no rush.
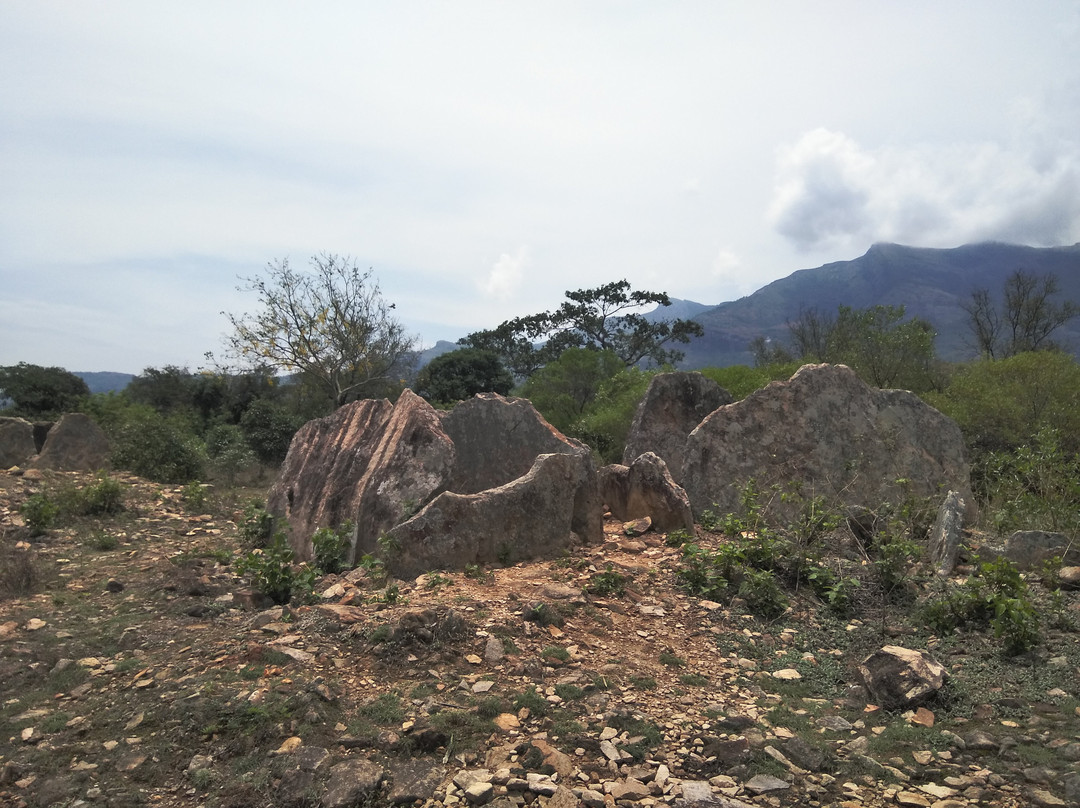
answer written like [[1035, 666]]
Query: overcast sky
[[482, 158]]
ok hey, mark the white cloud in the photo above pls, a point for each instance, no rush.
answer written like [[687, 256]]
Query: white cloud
[[833, 193], [506, 276]]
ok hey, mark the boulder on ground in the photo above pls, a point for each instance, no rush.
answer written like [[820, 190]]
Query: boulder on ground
[[898, 677], [646, 488], [673, 406], [1029, 549], [75, 443], [378, 464], [370, 462], [830, 434], [553, 507], [16, 442]]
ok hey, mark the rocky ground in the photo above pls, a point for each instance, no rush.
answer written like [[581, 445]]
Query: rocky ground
[[136, 668]]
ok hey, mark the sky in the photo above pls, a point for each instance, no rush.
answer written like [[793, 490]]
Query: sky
[[484, 158]]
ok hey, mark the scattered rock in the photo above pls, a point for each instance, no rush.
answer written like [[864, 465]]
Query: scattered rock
[[898, 677], [646, 488], [351, 783]]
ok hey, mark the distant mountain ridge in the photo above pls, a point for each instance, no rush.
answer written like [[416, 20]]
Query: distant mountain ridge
[[105, 381], [930, 283]]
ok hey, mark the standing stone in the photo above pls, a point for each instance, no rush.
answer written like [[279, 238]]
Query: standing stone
[[673, 406], [370, 462], [946, 534], [16, 442], [646, 488], [497, 440], [75, 443], [552, 508], [833, 435]]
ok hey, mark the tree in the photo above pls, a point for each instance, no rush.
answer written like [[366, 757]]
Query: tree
[[601, 319], [1026, 319], [461, 374], [35, 390], [563, 389], [331, 325], [883, 347]]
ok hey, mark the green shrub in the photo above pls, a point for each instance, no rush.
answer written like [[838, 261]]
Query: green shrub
[[228, 452], [268, 428], [608, 582], [329, 547], [161, 449], [256, 525], [39, 512], [997, 596], [100, 540], [106, 497], [271, 571], [763, 594], [193, 495]]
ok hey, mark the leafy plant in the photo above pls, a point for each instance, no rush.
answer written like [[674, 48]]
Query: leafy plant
[[996, 596], [763, 594], [193, 495], [39, 512], [272, 573], [608, 582], [329, 547], [256, 525]]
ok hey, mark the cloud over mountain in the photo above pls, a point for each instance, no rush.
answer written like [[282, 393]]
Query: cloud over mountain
[[832, 192]]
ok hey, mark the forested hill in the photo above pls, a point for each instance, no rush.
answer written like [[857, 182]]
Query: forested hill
[[930, 283]]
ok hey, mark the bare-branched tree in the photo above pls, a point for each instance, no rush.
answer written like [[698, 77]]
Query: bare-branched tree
[[331, 325]]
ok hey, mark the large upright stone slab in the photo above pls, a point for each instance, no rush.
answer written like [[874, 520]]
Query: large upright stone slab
[[551, 508], [370, 462], [830, 433], [75, 443], [671, 409], [475, 474], [497, 440], [17, 445]]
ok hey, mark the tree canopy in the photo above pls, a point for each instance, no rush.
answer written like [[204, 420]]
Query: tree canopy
[[330, 324], [461, 374], [35, 390], [600, 319]]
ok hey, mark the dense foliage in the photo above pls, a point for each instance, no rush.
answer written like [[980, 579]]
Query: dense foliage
[[461, 374], [34, 391]]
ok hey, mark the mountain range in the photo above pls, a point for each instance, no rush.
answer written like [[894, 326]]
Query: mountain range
[[930, 283], [933, 284]]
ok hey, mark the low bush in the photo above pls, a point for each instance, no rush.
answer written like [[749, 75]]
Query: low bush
[[998, 597], [39, 512], [330, 546], [272, 572]]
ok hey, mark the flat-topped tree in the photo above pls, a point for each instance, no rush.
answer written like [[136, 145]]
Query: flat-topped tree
[[604, 319]]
